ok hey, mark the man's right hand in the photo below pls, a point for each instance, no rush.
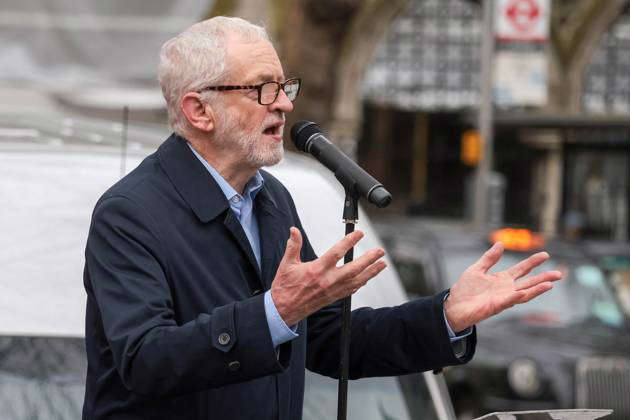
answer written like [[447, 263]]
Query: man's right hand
[[299, 289]]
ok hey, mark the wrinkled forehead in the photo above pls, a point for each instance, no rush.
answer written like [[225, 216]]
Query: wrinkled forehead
[[252, 61]]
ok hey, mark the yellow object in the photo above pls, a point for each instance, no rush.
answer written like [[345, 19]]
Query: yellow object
[[471, 148], [518, 239]]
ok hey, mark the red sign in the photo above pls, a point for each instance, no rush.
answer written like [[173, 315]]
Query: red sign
[[522, 20], [523, 14]]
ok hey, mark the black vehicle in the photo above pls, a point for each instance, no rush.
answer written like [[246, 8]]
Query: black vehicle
[[569, 348], [614, 258]]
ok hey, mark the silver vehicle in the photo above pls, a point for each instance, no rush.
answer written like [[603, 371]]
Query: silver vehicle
[[54, 168]]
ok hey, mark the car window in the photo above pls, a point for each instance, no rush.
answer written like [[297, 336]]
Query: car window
[[581, 296], [387, 398], [42, 377]]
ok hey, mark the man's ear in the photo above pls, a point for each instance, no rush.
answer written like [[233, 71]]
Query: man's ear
[[198, 114]]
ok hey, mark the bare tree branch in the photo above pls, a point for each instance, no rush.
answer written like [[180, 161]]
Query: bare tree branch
[[368, 26], [576, 29]]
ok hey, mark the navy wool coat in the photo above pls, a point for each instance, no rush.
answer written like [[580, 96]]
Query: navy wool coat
[[175, 322]]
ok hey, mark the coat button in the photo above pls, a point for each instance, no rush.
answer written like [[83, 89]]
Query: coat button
[[234, 366], [224, 339]]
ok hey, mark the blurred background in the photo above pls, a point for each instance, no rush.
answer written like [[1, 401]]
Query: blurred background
[[487, 120], [398, 84]]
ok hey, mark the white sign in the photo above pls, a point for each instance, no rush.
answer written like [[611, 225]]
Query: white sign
[[522, 20], [520, 78]]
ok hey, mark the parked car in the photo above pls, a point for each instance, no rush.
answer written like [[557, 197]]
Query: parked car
[[569, 348], [54, 168], [614, 258]]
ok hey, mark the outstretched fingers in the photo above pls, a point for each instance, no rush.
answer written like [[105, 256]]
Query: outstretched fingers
[[368, 273], [521, 296], [546, 277], [489, 258], [356, 267], [529, 294], [337, 251], [527, 265], [530, 287]]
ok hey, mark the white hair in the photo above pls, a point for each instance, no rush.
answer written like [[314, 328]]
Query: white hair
[[197, 58]]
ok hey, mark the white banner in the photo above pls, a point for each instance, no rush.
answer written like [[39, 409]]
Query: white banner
[[520, 78], [522, 20]]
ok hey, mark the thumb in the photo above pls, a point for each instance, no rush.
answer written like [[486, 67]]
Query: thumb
[[294, 246]]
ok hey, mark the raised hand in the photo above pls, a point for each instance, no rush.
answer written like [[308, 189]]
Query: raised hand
[[478, 294], [299, 289]]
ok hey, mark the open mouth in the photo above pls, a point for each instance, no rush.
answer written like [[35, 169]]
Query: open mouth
[[274, 129]]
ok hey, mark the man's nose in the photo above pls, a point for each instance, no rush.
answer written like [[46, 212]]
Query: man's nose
[[282, 103]]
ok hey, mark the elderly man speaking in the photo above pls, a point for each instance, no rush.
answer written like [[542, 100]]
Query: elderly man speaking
[[205, 298]]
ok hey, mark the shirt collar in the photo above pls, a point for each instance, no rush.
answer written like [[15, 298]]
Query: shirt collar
[[252, 187]]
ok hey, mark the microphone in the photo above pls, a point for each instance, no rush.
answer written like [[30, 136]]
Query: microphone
[[308, 137]]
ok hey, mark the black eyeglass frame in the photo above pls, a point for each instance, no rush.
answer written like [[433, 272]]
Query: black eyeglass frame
[[259, 88]]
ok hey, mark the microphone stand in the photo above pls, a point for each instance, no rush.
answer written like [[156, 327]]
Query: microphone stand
[[350, 218]]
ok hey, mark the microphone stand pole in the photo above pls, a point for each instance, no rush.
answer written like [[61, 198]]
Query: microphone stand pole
[[350, 218]]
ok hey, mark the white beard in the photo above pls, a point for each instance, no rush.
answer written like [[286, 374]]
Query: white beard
[[249, 144]]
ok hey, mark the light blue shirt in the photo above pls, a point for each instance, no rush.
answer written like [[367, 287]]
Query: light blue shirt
[[243, 206]]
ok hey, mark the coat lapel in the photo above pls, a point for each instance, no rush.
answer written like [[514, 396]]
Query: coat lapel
[[273, 235], [193, 182], [234, 227], [202, 193]]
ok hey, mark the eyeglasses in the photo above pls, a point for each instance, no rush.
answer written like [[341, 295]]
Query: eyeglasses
[[267, 91]]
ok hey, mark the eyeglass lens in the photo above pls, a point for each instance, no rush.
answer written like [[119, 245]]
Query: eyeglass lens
[[269, 91]]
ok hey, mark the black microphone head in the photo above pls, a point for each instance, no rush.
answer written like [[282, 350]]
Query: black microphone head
[[301, 132], [380, 196]]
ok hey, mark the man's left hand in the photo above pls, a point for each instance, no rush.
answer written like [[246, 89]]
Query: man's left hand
[[478, 294]]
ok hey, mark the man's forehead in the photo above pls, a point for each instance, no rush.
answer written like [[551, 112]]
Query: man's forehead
[[254, 61], [265, 76]]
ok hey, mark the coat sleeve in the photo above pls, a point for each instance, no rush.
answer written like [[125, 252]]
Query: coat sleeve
[[399, 340], [391, 341], [126, 278], [384, 342]]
